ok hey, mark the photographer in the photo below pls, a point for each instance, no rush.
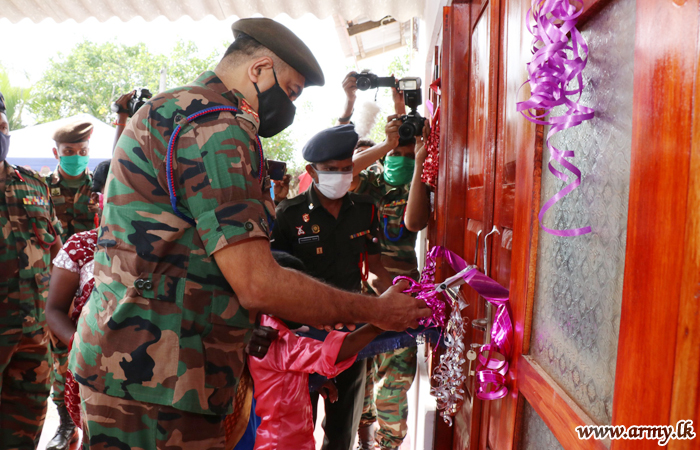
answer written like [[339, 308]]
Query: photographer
[[403, 210]]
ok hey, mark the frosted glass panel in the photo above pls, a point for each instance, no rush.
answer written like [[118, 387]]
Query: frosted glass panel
[[578, 293], [536, 434]]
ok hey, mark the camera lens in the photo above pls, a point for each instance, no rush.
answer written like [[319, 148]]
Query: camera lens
[[407, 130], [363, 83]]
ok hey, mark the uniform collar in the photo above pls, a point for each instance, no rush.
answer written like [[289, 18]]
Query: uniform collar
[[390, 187], [56, 176], [315, 202], [211, 81]]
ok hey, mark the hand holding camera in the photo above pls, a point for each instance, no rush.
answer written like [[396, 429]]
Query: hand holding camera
[[138, 98]]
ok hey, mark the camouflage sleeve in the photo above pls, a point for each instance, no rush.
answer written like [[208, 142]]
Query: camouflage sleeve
[[216, 164], [367, 177], [373, 247], [280, 240]]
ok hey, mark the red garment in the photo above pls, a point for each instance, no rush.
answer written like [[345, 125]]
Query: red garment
[[77, 255], [281, 382]]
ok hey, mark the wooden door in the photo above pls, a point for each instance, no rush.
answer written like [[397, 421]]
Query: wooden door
[[607, 326]]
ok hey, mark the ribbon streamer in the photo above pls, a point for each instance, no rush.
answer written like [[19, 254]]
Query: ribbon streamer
[[550, 72], [492, 365]]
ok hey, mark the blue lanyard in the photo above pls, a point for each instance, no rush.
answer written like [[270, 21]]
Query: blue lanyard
[[386, 230]]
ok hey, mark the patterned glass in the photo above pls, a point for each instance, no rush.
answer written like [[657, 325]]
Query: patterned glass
[[536, 433], [578, 295]]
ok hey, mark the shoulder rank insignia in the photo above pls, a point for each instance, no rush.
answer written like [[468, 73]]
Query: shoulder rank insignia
[[35, 201], [300, 230]]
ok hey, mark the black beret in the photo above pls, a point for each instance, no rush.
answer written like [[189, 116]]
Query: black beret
[[333, 143], [73, 132], [2, 103], [283, 43]]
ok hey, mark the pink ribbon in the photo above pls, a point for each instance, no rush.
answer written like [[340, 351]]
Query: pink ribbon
[[550, 72], [491, 370]]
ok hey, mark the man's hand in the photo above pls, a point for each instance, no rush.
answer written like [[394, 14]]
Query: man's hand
[[350, 86], [281, 188], [260, 342], [123, 102], [329, 391], [399, 101], [421, 147], [393, 123], [397, 311]]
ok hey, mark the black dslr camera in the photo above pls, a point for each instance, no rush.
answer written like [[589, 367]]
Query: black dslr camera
[[367, 80], [141, 95], [412, 122]]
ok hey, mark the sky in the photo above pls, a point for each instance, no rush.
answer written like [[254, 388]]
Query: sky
[[29, 47]]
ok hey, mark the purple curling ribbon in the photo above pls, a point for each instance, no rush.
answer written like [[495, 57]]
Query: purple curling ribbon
[[554, 65], [492, 364]]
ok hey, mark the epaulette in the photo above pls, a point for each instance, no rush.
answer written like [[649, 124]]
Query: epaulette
[[29, 172], [286, 203]]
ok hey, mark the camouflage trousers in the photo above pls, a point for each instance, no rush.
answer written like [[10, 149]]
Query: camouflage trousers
[[60, 367], [118, 423], [25, 371], [389, 377]]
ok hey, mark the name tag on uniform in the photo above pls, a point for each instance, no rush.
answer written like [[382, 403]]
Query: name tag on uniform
[[306, 240], [59, 200]]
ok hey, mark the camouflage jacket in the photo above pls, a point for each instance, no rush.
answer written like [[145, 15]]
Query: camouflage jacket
[[163, 325], [73, 206], [398, 257], [28, 228]]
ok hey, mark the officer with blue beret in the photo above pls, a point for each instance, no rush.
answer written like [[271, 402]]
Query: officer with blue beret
[[334, 232]]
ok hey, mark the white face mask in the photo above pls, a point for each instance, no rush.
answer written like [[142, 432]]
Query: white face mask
[[334, 184]]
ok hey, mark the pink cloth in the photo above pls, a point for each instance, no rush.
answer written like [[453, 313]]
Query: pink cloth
[[281, 382]]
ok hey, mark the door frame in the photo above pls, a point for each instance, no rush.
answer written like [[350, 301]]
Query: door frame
[[660, 318]]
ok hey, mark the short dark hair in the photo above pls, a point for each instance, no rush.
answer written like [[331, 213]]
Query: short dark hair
[[245, 47], [365, 143], [99, 177]]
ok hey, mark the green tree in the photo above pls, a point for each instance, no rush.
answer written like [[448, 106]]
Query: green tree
[[16, 99], [92, 76]]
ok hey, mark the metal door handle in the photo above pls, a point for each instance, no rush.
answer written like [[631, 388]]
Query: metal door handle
[[485, 323]]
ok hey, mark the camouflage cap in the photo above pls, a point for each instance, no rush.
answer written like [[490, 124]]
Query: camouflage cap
[[73, 132], [283, 43], [2, 103]]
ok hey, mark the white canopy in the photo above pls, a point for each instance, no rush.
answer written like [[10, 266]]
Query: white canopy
[[80, 10], [32, 146]]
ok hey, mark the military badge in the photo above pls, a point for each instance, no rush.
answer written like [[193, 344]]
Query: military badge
[[319, 250], [305, 217], [35, 201], [56, 191], [246, 108], [300, 230], [315, 228]]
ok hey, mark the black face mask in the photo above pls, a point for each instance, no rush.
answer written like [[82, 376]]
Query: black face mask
[[4, 145], [275, 109]]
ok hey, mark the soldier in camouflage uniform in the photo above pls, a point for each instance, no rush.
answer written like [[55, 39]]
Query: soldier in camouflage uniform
[[183, 253], [402, 207], [70, 186], [29, 238]]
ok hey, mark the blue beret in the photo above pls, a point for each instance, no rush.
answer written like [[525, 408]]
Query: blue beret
[[333, 143]]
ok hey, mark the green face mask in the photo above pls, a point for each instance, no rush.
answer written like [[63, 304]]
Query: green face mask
[[398, 170], [74, 165]]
